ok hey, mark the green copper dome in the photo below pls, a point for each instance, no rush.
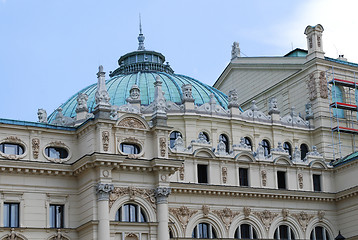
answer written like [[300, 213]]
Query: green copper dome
[[141, 68]]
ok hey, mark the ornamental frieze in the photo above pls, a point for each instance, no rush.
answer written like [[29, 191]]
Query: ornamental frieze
[[183, 214], [226, 215], [133, 192], [131, 122]]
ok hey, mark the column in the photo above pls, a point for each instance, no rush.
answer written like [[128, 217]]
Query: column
[[103, 190], [161, 194]]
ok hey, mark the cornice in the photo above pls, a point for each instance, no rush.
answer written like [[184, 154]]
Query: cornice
[[233, 191]]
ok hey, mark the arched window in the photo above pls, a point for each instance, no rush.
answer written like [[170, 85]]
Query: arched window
[[131, 213], [248, 142], [288, 148], [319, 233], [173, 137], [204, 230], [284, 232], [11, 148], [225, 139], [266, 146], [304, 150], [245, 231], [337, 96], [129, 148], [56, 152], [171, 233]]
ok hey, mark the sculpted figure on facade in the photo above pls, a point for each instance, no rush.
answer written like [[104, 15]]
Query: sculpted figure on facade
[[224, 174], [187, 92], [181, 173], [300, 180], [221, 148], [285, 213], [260, 152], [201, 138], [183, 214], [134, 94], [42, 115], [264, 177], [273, 108], [206, 210], [314, 152], [179, 143], [35, 147], [320, 215], [62, 120], [323, 89], [311, 85], [82, 102], [235, 51], [296, 155], [233, 98], [114, 113], [242, 144], [247, 212], [103, 191], [309, 112]]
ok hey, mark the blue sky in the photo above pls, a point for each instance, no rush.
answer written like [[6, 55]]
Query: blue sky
[[50, 50]]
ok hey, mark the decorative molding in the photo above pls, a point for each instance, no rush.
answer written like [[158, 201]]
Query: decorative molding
[[303, 218], [224, 174], [61, 145], [15, 140], [264, 177], [131, 122], [285, 213], [206, 210], [320, 215], [226, 215], [266, 218], [12, 139], [300, 180], [163, 146], [59, 236], [133, 192], [247, 212], [13, 235], [181, 173], [323, 90], [35, 147], [103, 191], [105, 140], [161, 194], [183, 214]]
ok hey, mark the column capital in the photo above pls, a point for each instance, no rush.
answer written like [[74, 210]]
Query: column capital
[[103, 190], [162, 193]]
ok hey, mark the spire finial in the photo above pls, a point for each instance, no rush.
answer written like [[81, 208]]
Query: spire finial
[[141, 36]]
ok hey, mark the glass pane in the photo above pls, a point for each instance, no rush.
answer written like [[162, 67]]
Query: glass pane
[[6, 215], [133, 213], [245, 231], [283, 232], [14, 214], [319, 233]]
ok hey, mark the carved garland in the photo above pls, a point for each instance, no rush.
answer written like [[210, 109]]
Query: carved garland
[[263, 177], [300, 180], [303, 218], [224, 174], [266, 217], [163, 146], [35, 147], [105, 140], [133, 192]]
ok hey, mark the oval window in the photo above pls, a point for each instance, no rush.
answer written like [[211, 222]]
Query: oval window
[[11, 148], [129, 148], [56, 152]]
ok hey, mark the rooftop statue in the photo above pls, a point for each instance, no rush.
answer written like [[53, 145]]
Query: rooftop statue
[[273, 106], [82, 102], [42, 115], [235, 51]]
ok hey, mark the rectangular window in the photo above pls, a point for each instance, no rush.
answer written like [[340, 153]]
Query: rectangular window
[[317, 182], [11, 215], [243, 177], [202, 173], [281, 179], [56, 216]]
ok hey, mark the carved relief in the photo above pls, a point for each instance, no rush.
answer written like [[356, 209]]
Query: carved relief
[[266, 217], [310, 44], [319, 41], [57, 144], [323, 89], [35, 147], [181, 173], [300, 180], [320, 215], [206, 210], [163, 146], [224, 174], [285, 213], [131, 122], [263, 177], [247, 212], [303, 218], [226, 215], [59, 236], [105, 140], [183, 214], [311, 85], [133, 192], [131, 236]]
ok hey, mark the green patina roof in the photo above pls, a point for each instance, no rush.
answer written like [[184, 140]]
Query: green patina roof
[[298, 52], [346, 159]]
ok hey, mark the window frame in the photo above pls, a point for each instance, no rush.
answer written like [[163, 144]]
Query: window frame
[[267, 147], [18, 148], [306, 150], [325, 233], [287, 146], [248, 142], [244, 180], [226, 140], [281, 180], [173, 138], [137, 148], [317, 182], [252, 232], [53, 216], [125, 213], [198, 231], [200, 172], [9, 214], [48, 152], [290, 232]]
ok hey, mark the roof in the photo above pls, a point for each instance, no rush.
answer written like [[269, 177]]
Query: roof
[[298, 52], [118, 88], [349, 158], [35, 124]]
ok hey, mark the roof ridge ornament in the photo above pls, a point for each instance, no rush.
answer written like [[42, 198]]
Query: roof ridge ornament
[[141, 37]]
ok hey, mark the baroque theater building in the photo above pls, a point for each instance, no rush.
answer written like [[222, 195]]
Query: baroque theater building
[[268, 152]]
